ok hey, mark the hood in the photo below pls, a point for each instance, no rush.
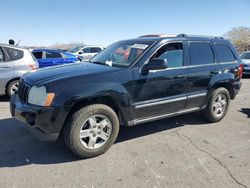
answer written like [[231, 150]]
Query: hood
[[51, 74]]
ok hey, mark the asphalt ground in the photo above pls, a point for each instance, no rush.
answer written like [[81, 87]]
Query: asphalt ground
[[183, 151]]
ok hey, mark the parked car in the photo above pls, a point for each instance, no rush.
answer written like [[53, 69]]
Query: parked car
[[86, 52], [52, 57], [246, 62], [14, 62], [129, 83]]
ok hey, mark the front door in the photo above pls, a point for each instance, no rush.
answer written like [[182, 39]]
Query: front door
[[162, 92]]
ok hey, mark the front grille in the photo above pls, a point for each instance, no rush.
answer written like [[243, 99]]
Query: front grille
[[23, 91]]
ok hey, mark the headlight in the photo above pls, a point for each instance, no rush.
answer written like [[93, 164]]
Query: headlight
[[39, 96]]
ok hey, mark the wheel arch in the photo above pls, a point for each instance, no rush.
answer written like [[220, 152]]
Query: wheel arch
[[7, 83], [102, 99]]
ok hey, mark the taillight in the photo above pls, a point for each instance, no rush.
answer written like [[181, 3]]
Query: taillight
[[32, 66], [240, 70]]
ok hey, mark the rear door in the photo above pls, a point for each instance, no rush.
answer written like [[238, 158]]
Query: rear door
[[201, 70]]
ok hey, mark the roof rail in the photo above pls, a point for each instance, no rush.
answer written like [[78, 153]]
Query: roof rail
[[182, 35], [185, 35]]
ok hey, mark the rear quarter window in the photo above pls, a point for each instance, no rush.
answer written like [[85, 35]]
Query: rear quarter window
[[224, 53], [14, 54]]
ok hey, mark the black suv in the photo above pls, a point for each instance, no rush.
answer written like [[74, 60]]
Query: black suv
[[131, 82]]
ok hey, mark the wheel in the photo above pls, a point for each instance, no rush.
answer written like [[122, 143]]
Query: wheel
[[217, 106], [91, 131], [12, 87]]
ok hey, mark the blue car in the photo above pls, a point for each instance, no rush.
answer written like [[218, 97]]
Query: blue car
[[52, 57]]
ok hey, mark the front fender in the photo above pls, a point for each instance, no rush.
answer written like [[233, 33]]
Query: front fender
[[76, 94]]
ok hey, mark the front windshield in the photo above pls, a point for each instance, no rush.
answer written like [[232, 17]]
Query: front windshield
[[122, 53], [76, 49]]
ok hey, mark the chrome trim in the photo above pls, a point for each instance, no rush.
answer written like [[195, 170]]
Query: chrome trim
[[197, 95], [160, 102], [140, 121]]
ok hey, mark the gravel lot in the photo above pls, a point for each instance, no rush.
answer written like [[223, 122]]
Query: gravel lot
[[182, 151]]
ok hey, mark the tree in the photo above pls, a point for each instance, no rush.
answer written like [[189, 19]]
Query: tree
[[240, 37]]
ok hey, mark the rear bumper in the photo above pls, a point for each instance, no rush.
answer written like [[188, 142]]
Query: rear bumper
[[246, 70], [46, 121], [235, 89]]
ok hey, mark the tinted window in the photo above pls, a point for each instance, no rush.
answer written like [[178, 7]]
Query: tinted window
[[38, 55], [245, 56], [1, 56], [200, 53], [53, 55], [173, 53], [14, 54], [95, 50], [224, 53], [86, 50]]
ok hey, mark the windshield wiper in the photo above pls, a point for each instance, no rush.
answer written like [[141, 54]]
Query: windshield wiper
[[97, 62]]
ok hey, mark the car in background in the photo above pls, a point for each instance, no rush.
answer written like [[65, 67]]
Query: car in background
[[86, 52], [245, 56], [14, 62], [53, 57]]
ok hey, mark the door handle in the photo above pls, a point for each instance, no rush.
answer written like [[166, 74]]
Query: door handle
[[5, 66], [215, 72], [179, 76]]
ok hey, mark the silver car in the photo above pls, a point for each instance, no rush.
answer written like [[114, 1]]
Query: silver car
[[14, 62], [245, 56]]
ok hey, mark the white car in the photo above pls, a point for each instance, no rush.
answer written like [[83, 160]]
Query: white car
[[14, 62], [246, 62], [86, 52]]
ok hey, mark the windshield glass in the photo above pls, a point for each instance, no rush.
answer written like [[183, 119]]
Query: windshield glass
[[122, 54], [76, 49]]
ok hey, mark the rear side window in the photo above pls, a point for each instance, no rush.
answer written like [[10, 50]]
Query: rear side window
[[53, 55], [1, 56], [95, 50], [224, 53], [38, 55], [14, 54], [201, 53]]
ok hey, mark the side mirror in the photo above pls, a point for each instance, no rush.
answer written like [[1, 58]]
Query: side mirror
[[80, 53], [155, 64]]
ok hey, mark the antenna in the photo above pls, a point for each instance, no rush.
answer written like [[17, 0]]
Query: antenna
[[18, 42], [81, 33]]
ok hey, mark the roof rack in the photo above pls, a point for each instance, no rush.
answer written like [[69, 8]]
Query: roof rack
[[185, 36]]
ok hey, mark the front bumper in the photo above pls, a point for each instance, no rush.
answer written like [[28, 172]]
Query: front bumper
[[47, 121]]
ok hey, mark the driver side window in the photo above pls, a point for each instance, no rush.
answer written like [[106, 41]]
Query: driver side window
[[172, 52]]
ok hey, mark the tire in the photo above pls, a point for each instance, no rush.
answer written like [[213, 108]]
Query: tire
[[12, 87], [82, 133], [215, 112]]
